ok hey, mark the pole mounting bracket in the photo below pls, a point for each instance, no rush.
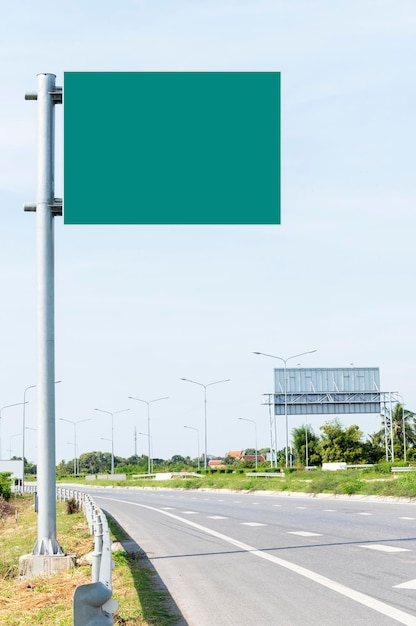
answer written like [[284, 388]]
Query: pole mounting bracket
[[55, 207]]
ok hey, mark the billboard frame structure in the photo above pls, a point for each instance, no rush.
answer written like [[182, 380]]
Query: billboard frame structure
[[306, 391]]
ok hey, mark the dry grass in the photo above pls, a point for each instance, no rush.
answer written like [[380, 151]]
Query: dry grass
[[42, 600], [47, 601]]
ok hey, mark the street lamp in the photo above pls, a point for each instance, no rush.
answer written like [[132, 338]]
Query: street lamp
[[10, 449], [272, 356], [148, 402], [1, 409], [24, 433], [244, 419], [24, 428], [197, 438], [188, 380], [404, 426], [112, 413], [88, 419], [149, 439]]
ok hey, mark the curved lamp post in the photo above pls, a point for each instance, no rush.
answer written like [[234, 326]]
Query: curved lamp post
[[404, 425], [244, 419], [272, 356], [148, 402], [24, 427], [2, 409], [88, 419], [112, 413], [188, 380], [149, 438], [197, 438], [10, 449]]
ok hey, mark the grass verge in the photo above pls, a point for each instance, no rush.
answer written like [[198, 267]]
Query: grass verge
[[48, 600], [377, 480]]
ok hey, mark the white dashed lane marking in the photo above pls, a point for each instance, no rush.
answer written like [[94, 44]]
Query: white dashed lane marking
[[372, 603], [252, 524], [383, 548], [410, 584], [189, 512], [217, 517], [303, 533]]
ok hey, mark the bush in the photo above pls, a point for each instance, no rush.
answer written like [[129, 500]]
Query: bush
[[72, 506], [290, 470], [6, 508], [384, 467], [5, 485], [352, 486]]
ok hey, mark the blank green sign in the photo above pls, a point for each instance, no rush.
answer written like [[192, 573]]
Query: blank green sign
[[172, 148]]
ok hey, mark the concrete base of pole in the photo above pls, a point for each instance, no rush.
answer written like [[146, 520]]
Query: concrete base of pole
[[31, 565]]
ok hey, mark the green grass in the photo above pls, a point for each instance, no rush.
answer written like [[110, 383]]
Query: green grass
[[367, 481]]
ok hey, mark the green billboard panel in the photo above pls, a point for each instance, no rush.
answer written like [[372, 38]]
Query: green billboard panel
[[171, 147]]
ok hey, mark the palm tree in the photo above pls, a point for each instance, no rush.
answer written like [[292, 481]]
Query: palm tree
[[402, 421]]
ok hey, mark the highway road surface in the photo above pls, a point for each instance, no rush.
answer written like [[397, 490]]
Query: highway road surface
[[276, 559]]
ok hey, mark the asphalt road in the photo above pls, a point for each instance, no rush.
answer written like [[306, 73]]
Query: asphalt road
[[231, 558]]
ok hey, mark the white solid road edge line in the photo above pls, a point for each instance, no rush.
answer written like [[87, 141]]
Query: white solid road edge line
[[357, 596]]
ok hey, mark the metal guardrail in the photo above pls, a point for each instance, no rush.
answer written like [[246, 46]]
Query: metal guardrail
[[403, 469], [93, 604], [266, 474]]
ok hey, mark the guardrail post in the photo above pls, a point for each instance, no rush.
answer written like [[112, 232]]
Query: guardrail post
[[93, 604], [98, 549]]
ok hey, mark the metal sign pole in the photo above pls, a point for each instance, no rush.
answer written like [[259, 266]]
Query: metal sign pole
[[47, 206], [46, 543]]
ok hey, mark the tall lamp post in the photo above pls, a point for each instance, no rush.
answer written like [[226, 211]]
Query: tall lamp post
[[404, 426], [10, 449], [272, 356], [197, 438], [148, 402], [244, 419], [24, 428], [24, 434], [2, 409], [112, 413], [88, 419], [188, 380], [149, 438]]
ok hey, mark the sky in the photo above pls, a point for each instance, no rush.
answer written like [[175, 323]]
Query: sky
[[137, 308]]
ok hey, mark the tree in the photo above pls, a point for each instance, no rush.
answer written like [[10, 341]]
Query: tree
[[302, 435], [399, 416], [95, 462], [339, 443], [63, 468]]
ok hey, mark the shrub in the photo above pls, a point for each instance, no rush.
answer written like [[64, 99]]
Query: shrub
[[5, 485], [6, 508], [384, 467], [352, 486], [72, 506]]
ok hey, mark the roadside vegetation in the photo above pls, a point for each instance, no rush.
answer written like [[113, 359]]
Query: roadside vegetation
[[377, 480], [334, 443], [48, 600], [142, 601]]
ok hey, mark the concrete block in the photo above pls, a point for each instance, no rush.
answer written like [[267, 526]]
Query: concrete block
[[31, 565]]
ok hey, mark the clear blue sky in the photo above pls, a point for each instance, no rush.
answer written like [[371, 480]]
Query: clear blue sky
[[137, 308]]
